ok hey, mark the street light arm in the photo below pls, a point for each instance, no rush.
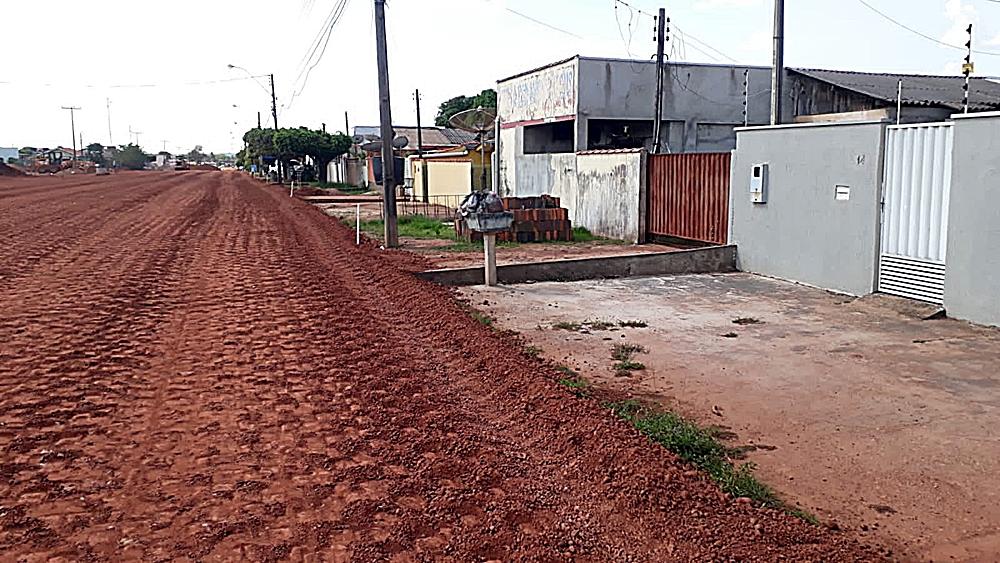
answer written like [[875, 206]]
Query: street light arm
[[251, 75]]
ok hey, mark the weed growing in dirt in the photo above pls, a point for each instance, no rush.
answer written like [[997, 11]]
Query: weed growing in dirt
[[565, 325], [633, 324], [599, 325], [625, 351], [576, 384], [533, 351], [624, 354], [481, 317], [701, 447], [743, 321]]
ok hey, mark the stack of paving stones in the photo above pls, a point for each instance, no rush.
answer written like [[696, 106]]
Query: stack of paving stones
[[536, 219]]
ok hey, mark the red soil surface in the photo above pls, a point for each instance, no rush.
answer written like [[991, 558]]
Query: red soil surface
[[194, 366], [6, 170]]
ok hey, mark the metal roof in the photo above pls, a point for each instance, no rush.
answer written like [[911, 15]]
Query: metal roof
[[432, 136], [918, 90]]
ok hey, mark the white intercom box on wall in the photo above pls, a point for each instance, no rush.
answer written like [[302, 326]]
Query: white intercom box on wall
[[758, 183]]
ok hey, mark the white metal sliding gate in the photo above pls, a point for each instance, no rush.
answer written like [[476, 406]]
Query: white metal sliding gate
[[915, 211]]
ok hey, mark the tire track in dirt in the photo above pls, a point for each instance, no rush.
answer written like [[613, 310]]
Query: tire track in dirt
[[216, 372]]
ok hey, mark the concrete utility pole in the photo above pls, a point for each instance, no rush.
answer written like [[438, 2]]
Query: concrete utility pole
[[420, 152], [111, 140], [72, 125], [258, 120], [274, 114], [967, 70], [658, 112], [388, 162], [778, 70], [347, 125]]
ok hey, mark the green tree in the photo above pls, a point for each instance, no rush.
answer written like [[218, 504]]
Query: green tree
[[95, 153], [131, 157], [196, 155], [486, 99], [302, 143]]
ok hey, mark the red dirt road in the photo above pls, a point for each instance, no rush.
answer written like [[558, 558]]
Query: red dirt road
[[194, 366]]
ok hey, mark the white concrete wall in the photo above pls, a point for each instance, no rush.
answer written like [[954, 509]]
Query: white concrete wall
[[803, 233], [603, 192], [972, 275]]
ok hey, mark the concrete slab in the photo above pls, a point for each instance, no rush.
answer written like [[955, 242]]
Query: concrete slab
[[863, 413]]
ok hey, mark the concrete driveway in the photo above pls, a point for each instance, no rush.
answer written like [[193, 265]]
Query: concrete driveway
[[860, 411]]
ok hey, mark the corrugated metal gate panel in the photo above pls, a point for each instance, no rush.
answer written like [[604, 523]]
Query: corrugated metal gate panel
[[689, 196], [915, 214]]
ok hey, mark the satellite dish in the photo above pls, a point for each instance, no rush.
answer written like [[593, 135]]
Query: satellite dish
[[400, 142], [358, 139], [371, 146], [477, 120]]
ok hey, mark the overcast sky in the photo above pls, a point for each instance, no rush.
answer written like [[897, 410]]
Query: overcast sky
[[159, 63]]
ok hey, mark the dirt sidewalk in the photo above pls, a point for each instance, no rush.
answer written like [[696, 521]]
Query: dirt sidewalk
[[873, 419]]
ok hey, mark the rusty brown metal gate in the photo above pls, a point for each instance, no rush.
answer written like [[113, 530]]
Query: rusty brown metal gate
[[689, 196]]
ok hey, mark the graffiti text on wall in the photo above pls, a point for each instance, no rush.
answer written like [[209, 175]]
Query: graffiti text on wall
[[545, 94]]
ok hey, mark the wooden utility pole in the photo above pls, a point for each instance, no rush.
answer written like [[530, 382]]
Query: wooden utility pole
[[347, 125], [388, 161], [658, 111], [420, 152], [778, 70], [258, 120], [72, 125]]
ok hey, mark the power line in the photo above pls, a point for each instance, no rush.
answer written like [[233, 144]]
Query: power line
[[922, 34], [695, 39], [177, 85], [335, 14], [541, 23]]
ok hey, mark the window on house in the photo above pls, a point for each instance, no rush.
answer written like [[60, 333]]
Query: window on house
[[550, 137]]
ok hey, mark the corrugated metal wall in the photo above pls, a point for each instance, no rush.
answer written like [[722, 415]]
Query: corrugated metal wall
[[689, 196]]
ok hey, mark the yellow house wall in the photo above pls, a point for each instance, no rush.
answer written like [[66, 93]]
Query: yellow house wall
[[444, 178]]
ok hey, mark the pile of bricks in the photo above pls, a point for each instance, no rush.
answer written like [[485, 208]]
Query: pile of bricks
[[536, 219]]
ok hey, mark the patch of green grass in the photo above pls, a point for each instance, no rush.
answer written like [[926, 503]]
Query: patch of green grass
[[581, 234], [347, 189], [698, 446], [633, 324], [413, 226], [567, 325]]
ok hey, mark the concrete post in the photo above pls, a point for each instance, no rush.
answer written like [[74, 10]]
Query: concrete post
[[490, 247]]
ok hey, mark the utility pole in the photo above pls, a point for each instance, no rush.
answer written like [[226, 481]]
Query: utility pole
[[72, 125], [385, 112], [746, 97], [967, 70], [258, 120], [420, 152], [111, 140], [661, 22], [347, 125], [274, 114], [324, 127], [778, 70]]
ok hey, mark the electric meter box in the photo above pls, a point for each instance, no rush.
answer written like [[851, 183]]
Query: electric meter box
[[758, 183]]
